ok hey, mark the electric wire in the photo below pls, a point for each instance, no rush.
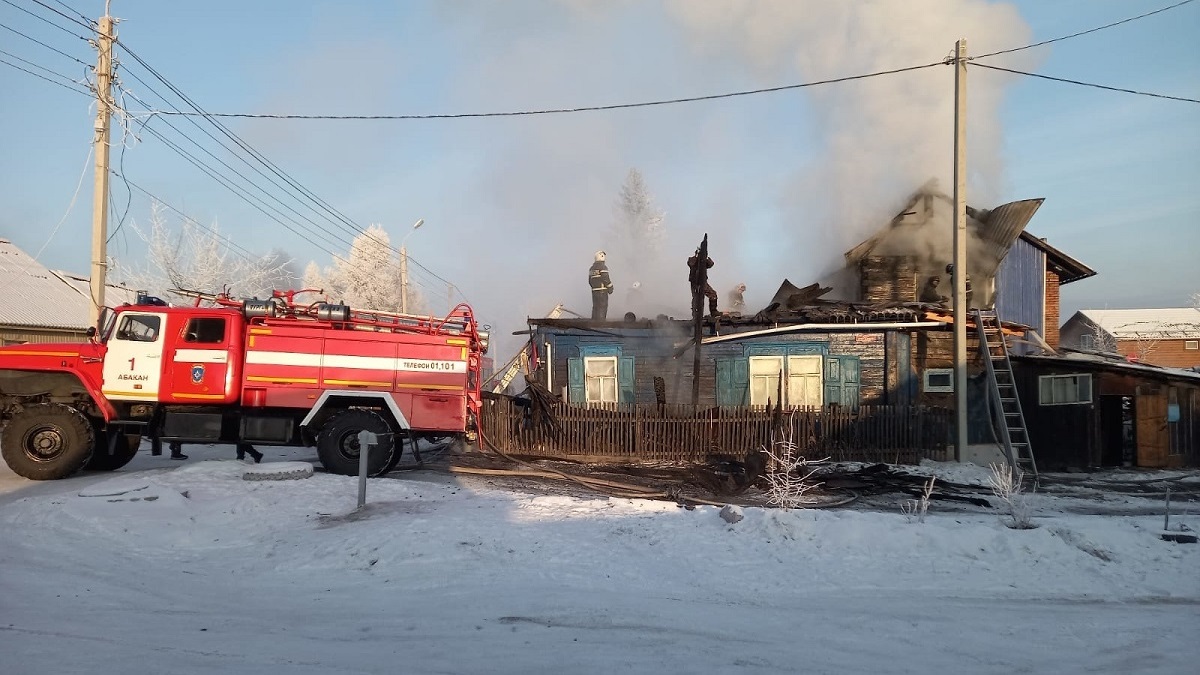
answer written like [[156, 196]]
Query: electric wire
[[1087, 84], [39, 67], [643, 104], [1082, 32], [86, 23], [333, 214], [43, 19], [86, 19], [70, 206], [320, 204], [53, 49], [577, 109], [329, 235], [43, 77], [232, 246]]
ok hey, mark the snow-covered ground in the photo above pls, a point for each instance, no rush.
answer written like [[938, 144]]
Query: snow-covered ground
[[170, 567]]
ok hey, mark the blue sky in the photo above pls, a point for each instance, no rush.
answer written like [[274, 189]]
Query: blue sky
[[783, 182]]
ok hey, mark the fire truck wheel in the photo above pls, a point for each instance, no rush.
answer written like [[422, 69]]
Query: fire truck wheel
[[47, 441], [337, 444], [123, 453]]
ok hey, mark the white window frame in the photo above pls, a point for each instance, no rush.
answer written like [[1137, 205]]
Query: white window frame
[[588, 378], [938, 388], [1191, 344], [1070, 394], [1087, 341], [776, 365]]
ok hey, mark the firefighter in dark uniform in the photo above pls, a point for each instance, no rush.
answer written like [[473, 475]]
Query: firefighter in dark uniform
[[602, 287], [694, 278], [966, 281]]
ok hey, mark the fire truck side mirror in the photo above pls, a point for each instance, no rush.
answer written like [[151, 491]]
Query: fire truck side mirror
[[91, 333]]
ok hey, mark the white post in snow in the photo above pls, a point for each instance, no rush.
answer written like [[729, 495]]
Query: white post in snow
[[365, 440]]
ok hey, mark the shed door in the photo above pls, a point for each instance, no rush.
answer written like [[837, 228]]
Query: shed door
[[1152, 438]]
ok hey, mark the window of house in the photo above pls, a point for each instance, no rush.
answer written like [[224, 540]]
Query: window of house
[[803, 380], [139, 327], [600, 379], [939, 380], [803, 374], [1087, 341], [1064, 389], [601, 375], [1191, 344], [205, 330]]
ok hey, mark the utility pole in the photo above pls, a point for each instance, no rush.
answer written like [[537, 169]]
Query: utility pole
[[700, 281], [403, 279], [960, 247], [100, 196]]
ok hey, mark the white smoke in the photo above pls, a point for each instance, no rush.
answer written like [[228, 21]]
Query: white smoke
[[882, 137]]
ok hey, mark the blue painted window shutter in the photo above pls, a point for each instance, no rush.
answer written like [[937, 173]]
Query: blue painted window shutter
[[733, 381], [841, 380], [625, 386], [575, 382], [850, 380]]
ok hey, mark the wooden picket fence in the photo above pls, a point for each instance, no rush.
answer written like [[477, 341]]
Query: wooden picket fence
[[688, 434]]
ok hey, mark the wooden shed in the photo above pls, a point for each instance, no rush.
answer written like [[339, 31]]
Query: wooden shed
[[1087, 410]]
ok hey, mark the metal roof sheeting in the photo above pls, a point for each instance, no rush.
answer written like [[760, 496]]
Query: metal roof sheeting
[[39, 298], [1159, 324]]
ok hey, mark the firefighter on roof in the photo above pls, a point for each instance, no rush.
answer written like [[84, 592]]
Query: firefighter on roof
[[602, 287], [966, 281], [694, 278], [737, 300]]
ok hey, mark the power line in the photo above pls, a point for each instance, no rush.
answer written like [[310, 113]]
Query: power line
[[320, 204], [227, 242], [86, 23], [43, 77], [39, 17], [557, 111], [76, 12], [645, 104], [53, 49], [34, 65], [1088, 84], [1082, 32]]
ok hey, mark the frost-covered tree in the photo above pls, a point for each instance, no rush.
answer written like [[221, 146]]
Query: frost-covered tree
[[190, 256], [639, 230], [368, 277]]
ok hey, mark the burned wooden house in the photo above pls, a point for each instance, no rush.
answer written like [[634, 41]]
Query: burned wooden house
[[868, 375]]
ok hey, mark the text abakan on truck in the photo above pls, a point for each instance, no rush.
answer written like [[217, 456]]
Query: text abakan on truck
[[265, 372]]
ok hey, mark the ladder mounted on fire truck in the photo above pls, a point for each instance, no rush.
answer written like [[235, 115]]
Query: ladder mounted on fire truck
[[282, 304], [520, 362]]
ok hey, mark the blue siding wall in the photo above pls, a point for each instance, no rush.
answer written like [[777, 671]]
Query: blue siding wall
[[1020, 286]]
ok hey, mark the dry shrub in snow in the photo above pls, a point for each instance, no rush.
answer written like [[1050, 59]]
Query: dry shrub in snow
[[1006, 483], [917, 508], [788, 473]]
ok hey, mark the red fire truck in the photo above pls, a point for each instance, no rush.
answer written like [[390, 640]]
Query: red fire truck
[[269, 372]]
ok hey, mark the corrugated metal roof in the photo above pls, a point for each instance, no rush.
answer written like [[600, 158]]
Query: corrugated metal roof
[[37, 297], [1158, 324]]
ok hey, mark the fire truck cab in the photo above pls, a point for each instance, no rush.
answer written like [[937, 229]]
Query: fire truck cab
[[266, 372]]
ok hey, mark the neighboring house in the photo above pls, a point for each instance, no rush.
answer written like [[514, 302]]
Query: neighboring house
[[1162, 337], [1028, 282], [1092, 410], [42, 305]]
